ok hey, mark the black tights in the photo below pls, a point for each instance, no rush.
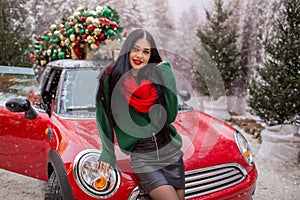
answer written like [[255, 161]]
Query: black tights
[[166, 192]]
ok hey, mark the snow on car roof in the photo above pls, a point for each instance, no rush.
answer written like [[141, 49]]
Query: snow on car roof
[[73, 64]]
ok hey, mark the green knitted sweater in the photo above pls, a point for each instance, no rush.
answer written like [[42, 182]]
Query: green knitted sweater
[[132, 125]]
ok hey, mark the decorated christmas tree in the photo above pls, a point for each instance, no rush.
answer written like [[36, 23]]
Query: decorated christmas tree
[[275, 92], [77, 35]]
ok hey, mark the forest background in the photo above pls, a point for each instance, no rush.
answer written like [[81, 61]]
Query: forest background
[[252, 20]]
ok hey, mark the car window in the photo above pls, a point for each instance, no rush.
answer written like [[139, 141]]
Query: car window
[[49, 86]]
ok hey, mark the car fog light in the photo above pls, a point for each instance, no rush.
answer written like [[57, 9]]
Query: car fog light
[[90, 179]]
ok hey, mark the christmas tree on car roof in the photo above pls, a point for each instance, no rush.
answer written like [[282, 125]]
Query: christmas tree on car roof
[[77, 35]]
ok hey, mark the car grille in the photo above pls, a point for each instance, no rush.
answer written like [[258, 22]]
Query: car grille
[[211, 179]]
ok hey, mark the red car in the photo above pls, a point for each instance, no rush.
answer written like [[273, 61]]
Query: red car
[[58, 141]]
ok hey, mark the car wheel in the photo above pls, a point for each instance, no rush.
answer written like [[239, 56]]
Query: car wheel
[[53, 191]]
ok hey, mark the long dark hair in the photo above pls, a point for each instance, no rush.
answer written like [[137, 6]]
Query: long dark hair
[[122, 66]]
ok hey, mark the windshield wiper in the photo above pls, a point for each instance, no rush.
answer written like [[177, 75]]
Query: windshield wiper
[[80, 108]]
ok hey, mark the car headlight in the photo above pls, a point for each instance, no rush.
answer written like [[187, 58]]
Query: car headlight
[[244, 147], [90, 179]]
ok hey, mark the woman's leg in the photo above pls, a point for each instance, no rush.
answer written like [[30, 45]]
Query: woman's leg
[[164, 192], [180, 193]]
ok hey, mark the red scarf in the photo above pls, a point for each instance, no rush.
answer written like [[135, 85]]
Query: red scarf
[[140, 97]]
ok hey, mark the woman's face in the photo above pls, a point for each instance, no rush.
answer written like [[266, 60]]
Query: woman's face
[[139, 55]]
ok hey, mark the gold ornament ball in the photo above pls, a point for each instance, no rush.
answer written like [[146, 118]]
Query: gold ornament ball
[[90, 39], [89, 20], [97, 31], [76, 14], [49, 52], [67, 42], [92, 12], [96, 22], [93, 46], [72, 37], [99, 9], [53, 26], [43, 62], [56, 32]]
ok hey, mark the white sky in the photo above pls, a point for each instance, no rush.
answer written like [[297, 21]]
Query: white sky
[[179, 6]]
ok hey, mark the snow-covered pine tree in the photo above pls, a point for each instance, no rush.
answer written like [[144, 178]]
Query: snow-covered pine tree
[[182, 44], [13, 43], [275, 93], [219, 40]]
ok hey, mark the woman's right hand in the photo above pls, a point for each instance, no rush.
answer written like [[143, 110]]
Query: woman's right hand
[[103, 166]]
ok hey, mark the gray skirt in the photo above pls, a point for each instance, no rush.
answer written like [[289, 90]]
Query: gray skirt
[[157, 168]]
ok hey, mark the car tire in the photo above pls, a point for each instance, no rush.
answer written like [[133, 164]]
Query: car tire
[[53, 191]]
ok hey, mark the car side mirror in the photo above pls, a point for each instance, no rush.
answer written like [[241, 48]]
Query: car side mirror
[[185, 95], [21, 104]]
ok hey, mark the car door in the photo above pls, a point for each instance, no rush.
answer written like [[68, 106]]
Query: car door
[[23, 143]]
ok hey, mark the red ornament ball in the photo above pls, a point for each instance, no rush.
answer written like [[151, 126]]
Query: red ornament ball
[[84, 36], [91, 27], [32, 57], [102, 36], [97, 42]]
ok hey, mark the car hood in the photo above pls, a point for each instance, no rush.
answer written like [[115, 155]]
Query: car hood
[[77, 135], [83, 133], [207, 141]]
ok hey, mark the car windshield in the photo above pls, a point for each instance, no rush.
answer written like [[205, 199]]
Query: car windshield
[[79, 91]]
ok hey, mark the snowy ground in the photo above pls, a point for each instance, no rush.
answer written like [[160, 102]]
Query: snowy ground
[[276, 181]]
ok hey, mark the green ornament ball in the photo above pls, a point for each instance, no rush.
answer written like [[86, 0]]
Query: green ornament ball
[[54, 56], [70, 32], [110, 32], [54, 41], [82, 31], [62, 54], [106, 12], [45, 37]]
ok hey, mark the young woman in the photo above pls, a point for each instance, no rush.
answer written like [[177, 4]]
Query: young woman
[[137, 101]]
